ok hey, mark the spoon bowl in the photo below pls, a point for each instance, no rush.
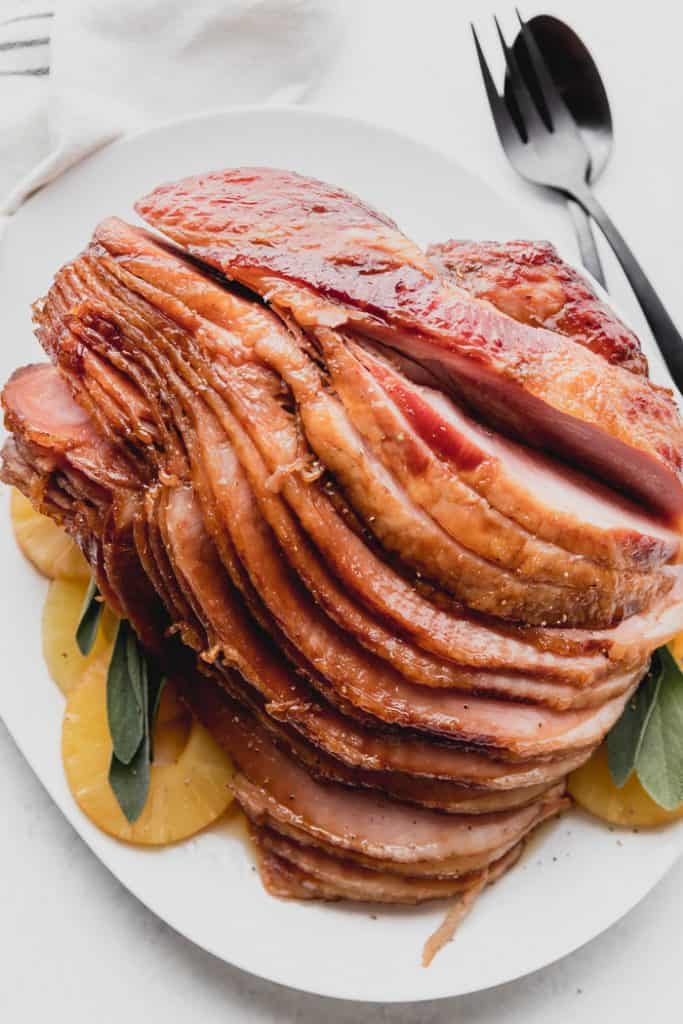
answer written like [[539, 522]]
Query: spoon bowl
[[576, 75]]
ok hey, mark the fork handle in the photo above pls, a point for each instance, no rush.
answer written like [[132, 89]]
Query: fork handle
[[665, 332], [586, 241]]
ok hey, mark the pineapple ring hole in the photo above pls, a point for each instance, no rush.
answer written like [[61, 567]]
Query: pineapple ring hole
[[171, 738]]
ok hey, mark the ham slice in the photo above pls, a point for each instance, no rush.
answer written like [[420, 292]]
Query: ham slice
[[207, 700], [454, 866], [290, 870], [275, 790], [38, 405], [328, 259]]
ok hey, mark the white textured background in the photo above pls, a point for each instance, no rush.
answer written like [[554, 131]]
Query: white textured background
[[73, 944]]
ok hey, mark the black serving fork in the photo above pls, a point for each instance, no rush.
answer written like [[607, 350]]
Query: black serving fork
[[545, 147]]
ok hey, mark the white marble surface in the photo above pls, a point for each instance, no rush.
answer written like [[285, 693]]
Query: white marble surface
[[73, 944]]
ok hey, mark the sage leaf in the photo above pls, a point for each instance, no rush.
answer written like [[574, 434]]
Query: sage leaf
[[130, 781], [136, 665], [89, 621], [625, 738], [134, 686], [126, 711], [660, 758]]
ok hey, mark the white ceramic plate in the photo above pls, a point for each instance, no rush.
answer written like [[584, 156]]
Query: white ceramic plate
[[576, 878]]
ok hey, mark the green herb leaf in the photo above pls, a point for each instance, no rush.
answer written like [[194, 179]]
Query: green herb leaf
[[660, 758], [625, 738], [136, 685], [126, 706], [130, 782], [136, 665], [89, 621]]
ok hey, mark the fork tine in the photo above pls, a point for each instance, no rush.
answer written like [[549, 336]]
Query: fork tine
[[533, 122], [501, 115], [557, 108]]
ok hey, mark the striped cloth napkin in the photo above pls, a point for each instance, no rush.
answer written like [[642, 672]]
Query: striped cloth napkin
[[76, 74]]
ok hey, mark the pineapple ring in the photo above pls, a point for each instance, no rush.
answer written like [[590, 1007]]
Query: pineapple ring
[[171, 708], [184, 796], [46, 546], [61, 613], [593, 789]]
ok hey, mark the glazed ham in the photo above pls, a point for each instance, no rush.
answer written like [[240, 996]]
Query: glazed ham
[[404, 626], [328, 259]]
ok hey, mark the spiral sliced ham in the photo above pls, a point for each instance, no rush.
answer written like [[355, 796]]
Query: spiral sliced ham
[[329, 259], [405, 627]]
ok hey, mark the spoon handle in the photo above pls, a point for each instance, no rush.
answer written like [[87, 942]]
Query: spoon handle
[[665, 332], [586, 240]]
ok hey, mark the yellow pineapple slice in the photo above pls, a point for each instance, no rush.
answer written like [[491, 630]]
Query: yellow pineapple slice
[[184, 796], [61, 614], [46, 546], [593, 789]]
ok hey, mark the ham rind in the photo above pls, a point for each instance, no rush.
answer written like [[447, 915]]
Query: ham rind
[[327, 259], [528, 281], [122, 573]]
